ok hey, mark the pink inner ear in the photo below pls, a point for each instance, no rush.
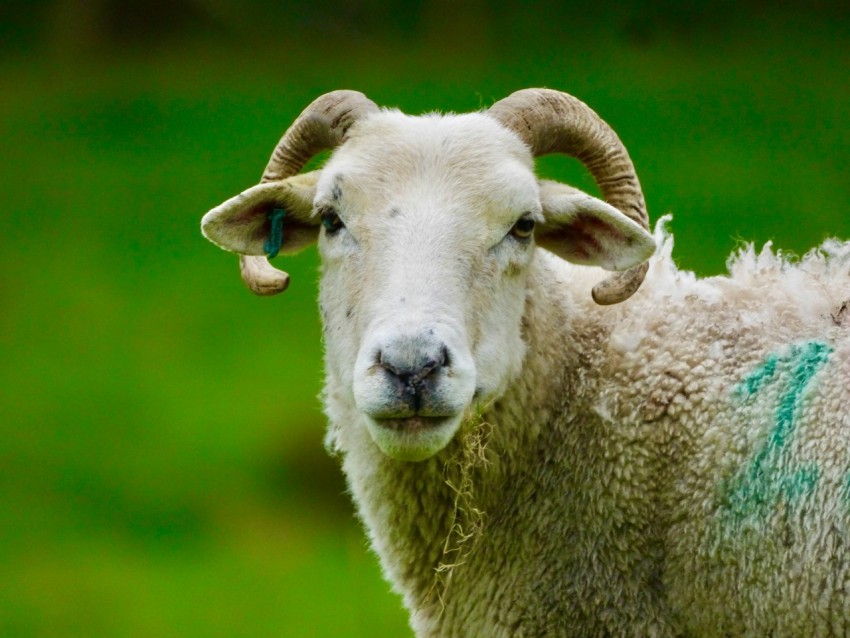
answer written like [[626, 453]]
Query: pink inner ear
[[255, 218], [250, 215], [586, 236]]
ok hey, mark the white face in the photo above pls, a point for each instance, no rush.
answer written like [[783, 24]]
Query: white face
[[425, 232], [425, 247]]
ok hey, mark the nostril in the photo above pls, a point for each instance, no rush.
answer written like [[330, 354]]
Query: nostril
[[403, 373], [387, 365]]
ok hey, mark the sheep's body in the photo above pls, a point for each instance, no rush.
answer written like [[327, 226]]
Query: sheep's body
[[676, 465]]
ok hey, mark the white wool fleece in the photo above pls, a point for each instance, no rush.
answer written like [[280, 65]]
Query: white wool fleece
[[678, 464]]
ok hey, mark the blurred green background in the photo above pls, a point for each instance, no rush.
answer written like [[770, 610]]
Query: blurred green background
[[161, 466]]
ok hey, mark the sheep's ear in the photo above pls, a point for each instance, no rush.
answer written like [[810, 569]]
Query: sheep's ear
[[267, 218], [585, 230]]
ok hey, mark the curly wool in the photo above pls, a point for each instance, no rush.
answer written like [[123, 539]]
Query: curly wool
[[674, 465]]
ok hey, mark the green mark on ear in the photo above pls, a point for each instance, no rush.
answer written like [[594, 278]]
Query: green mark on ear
[[769, 477], [275, 239]]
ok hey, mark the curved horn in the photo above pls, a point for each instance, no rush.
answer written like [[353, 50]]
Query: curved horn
[[553, 122], [321, 126]]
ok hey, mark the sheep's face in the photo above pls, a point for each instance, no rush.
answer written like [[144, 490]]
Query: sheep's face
[[426, 240], [427, 227]]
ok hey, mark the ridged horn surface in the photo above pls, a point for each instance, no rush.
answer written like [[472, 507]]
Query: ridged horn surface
[[321, 126], [554, 122]]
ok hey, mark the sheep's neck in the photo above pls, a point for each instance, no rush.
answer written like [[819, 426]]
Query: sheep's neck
[[424, 517]]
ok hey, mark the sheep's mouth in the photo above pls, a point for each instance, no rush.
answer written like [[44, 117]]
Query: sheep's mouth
[[414, 424], [413, 438]]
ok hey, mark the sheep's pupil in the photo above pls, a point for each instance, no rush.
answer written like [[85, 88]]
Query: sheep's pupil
[[331, 221], [523, 228]]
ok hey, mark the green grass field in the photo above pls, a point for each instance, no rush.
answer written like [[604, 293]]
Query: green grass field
[[161, 468]]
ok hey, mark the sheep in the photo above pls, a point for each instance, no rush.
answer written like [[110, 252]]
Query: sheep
[[534, 453]]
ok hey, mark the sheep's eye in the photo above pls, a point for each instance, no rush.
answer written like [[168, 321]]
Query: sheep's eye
[[523, 228], [331, 221]]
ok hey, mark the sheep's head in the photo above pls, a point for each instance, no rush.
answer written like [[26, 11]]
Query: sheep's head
[[426, 228]]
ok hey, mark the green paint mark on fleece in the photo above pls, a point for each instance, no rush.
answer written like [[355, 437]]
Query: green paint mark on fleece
[[768, 479]]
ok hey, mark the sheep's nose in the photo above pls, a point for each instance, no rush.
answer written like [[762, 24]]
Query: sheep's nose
[[412, 365], [414, 370]]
